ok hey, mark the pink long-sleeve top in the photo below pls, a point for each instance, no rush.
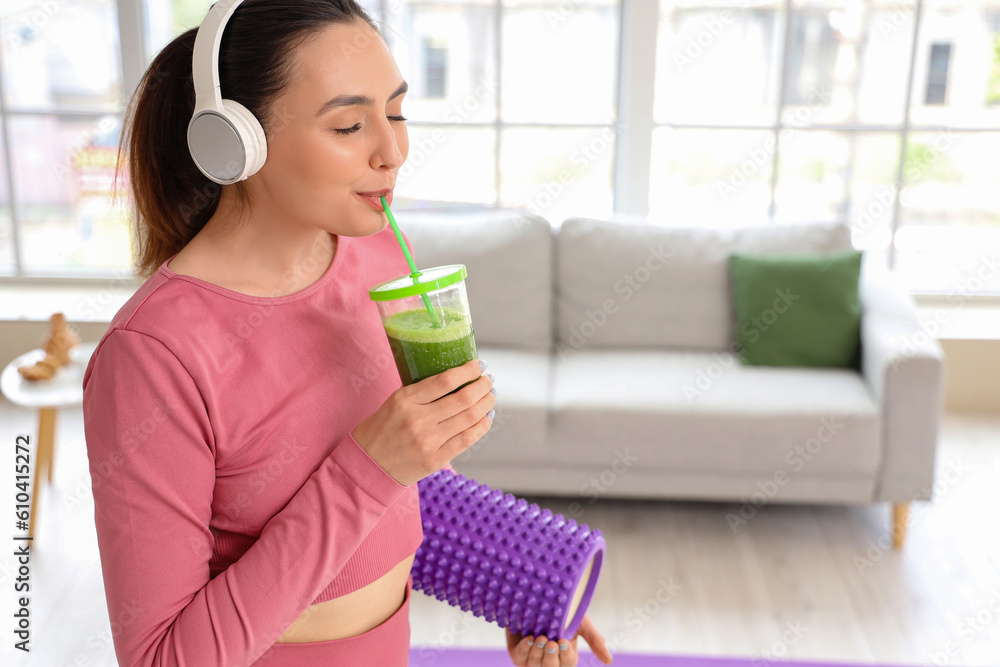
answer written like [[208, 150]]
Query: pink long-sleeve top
[[229, 493]]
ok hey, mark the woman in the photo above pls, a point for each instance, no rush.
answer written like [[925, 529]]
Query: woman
[[254, 458]]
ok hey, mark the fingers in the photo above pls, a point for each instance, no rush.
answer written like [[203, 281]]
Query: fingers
[[464, 398], [466, 406], [542, 653], [551, 658], [467, 438], [519, 650], [513, 639], [568, 657], [595, 639], [431, 389], [461, 418]]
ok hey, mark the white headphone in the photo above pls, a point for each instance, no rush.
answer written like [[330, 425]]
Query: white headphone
[[226, 141]]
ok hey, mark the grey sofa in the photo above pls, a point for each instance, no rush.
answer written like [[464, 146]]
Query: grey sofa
[[614, 353]]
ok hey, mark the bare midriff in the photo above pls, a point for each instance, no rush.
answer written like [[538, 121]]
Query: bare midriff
[[354, 613]]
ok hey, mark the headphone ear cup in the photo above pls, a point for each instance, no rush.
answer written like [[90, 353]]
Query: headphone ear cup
[[227, 146], [251, 133]]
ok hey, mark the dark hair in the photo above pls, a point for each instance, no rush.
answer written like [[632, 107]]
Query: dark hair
[[172, 199]]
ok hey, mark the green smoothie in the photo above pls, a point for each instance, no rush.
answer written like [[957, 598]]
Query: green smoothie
[[420, 350]]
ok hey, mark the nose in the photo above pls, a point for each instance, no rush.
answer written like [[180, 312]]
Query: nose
[[386, 151]]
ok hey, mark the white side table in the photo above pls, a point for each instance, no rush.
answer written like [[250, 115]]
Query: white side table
[[63, 389]]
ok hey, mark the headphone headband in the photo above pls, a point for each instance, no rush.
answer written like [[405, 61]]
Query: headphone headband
[[205, 62]]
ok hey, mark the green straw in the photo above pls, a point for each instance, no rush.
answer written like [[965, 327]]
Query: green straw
[[409, 260]]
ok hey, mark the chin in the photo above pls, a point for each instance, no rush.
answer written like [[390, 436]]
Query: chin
[[366, 230], [365, 226]]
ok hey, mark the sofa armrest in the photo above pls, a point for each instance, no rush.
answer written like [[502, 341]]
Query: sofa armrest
[[903, 366]]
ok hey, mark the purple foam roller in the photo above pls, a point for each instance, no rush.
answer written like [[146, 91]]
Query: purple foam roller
[[524, 568]]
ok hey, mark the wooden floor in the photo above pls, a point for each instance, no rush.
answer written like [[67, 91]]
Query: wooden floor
[[809, 582]]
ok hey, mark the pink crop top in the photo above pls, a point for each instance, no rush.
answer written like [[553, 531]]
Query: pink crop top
[[229, 493]]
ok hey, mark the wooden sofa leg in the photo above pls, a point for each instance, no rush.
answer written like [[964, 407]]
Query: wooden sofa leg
[[900, 511]]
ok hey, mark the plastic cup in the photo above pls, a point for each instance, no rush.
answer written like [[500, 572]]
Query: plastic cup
[[424, 345]]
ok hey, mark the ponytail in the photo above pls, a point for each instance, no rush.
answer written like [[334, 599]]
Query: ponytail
[[172, 200]]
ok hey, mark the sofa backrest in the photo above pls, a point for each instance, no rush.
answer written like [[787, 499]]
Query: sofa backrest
[[633, 284], [508, 256]]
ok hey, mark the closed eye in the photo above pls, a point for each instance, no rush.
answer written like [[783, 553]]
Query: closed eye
[[357, 126]]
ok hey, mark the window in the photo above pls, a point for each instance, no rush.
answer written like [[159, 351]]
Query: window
[[937, 74], [59, 106], [812, 38], [885, 114], [435, 69], [866, 112], [524, 114]]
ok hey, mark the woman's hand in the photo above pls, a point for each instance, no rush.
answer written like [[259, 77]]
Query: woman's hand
[[529, 652], [420, 428]]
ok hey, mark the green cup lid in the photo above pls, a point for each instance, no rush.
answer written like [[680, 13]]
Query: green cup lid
[[429, 280]]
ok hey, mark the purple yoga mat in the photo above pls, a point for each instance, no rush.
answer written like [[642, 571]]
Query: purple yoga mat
[[438, 657]]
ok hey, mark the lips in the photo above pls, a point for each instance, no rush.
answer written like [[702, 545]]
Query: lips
[[372, 198]]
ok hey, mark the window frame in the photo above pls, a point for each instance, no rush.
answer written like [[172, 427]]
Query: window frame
[[131, 32], [903, 129], [633, 122]]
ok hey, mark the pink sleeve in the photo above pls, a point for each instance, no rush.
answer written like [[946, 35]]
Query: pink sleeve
[[151, 452]]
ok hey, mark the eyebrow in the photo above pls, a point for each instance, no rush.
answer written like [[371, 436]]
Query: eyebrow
[[363, 100]]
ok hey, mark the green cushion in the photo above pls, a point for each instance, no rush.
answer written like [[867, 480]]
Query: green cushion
[[797, 310]]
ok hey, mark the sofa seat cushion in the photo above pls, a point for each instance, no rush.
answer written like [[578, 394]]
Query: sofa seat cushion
[[703, 411], [519, 427]]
